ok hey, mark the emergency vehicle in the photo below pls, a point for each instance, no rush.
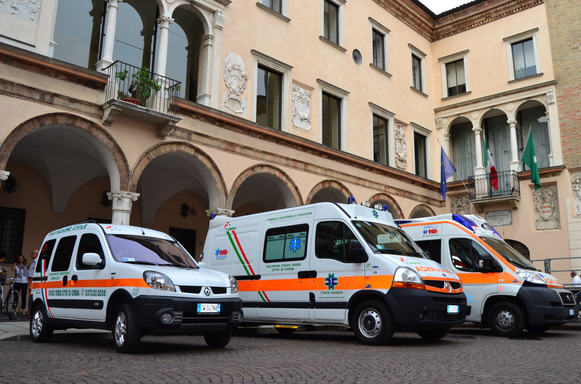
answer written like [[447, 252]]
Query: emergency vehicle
[[130, 280], [334, 264], [505, 291]]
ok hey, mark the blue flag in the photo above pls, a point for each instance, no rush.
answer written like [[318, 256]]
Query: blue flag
[[447, 169]]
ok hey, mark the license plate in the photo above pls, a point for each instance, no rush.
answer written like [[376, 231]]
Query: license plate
[[572, 312], [208, 308], [453, 309]]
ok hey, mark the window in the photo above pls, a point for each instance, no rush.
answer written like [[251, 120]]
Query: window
[[416, 72], [523, 55], [379, 52], [89, 243], [380, 141], [63, 254], [534, 118], [332, 240], [186, 237], [45, 254], [275, 5], [333, 115], [11, 232], [378, 49], [433, 248], [465, 254], [286, 243], [463, 150], [331, 22], [420, 154], [270, 90], [455, 74], [268, 98]]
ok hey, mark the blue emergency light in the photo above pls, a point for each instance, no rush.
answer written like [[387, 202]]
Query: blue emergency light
[[468, 223]]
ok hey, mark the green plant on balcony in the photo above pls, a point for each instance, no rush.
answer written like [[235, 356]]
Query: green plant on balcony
[[141, 88]]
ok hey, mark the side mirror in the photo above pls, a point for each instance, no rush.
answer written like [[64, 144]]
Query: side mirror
[[91, 258], [488, 264], [356, 253]]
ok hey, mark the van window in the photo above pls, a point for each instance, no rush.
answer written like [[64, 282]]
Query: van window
[[149, 251], [332, 240], [509, 253], [45, 254], [388, 240], [63, 254], [465, 254], [286, 243], [89, 243], [433, 247]]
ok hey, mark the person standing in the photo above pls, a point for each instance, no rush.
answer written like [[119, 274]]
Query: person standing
[[20, 269], [576, 283], [34, 256]]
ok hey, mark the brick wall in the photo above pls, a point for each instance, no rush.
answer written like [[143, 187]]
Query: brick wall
[[565, 34]]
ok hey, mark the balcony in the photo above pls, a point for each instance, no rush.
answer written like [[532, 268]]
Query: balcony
[[141, 94], [481, 190]]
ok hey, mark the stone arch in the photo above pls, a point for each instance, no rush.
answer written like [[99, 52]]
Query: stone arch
[[195, 7], [492, 112], [270, 170], [215, 177], [390, 200], [116, 162], [457, 120], [423, 210], [334, 184]]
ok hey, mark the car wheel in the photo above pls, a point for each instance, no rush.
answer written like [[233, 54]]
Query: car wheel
[[372, 323], [126, 335], [218, 339], [506, 319], [434, 334], [40, 328]]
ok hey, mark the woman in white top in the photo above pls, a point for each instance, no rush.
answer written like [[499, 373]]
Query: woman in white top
[[20, 268]]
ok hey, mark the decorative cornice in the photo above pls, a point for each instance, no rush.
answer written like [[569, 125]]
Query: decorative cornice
[[46, 66]]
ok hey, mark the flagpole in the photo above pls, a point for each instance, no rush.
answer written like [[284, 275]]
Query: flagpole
[[465, 187]]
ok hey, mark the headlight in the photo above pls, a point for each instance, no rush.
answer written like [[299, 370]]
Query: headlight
[[233, 284], [159, 281], [531, 277], [405, 277]]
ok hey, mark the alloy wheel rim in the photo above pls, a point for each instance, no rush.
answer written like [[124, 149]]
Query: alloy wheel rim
[[121, 329], [37, 322]]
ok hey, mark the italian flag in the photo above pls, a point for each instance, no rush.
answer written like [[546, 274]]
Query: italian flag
[[489, 164]]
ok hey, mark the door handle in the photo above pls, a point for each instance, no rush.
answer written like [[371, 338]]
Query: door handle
[[65, 279], [307, 274], [74, 278]]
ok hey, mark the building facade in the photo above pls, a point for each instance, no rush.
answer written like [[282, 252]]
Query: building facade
[[161, 113]]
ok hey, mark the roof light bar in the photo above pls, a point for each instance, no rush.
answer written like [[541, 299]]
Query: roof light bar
[[468, 223]]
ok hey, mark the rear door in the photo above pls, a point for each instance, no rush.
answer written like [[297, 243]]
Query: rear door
[[57, 292]]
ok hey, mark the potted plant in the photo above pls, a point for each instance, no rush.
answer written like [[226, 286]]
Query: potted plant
[[141, 86]]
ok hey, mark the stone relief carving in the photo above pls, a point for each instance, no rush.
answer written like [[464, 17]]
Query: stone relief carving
[[235, 77], [400, 148], [219, 19], [460, 205], [546, 205], [301, 108], [24, 9], [577, 194]]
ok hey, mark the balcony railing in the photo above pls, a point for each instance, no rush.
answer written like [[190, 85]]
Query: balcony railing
[[482, 187], [141, 87]]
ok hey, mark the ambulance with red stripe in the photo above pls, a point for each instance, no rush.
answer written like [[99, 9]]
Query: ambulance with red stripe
[[505, 291], [334, 264], [130, 280]]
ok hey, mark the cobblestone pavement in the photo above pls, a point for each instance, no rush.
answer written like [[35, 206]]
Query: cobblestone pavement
[[466, 355]]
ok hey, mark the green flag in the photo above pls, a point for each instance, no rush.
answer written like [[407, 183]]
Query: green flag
[[530, 159]]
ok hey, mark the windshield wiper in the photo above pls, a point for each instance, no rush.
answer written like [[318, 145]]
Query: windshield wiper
[[142, 262]]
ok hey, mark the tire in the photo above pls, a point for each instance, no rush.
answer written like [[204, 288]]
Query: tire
[[506, 319], [218, 339], [40, 327], [372, 323], [126, 335], [434, 334], [11, 304], [537, 329]]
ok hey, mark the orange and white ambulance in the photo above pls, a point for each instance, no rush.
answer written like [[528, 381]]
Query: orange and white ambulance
[[334, 264], [505, 291], [130, 280]]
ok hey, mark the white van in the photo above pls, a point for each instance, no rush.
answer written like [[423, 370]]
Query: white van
[[505, 291], [335, 264], [130, 280]]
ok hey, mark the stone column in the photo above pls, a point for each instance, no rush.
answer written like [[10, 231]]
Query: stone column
[[447, 143], [220, 212], [514, 161], [479, 170], [164, 22], [109, 42], [207, 50], [551, 161], [121, 208]]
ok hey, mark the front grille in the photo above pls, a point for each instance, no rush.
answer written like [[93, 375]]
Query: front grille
[[445, 316], [455, 284], [197, 289], [435, 283], [567, 298]]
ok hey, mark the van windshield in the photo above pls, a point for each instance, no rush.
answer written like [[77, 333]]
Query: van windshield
[[388, 240], [509, 253], [149, 251]]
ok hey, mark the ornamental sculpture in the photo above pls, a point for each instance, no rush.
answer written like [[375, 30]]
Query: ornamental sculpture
[[577, 194], [301, 108], [400, 148], [545, 201], [460, 205], [24, 9], [235, 77]]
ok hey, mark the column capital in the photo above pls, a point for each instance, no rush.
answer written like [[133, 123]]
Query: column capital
[[477, 129], [208, 40], [220, 212], [219, 19], [165, 21], [121, 207], [447, 137], [511, 122], [113, 3]]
